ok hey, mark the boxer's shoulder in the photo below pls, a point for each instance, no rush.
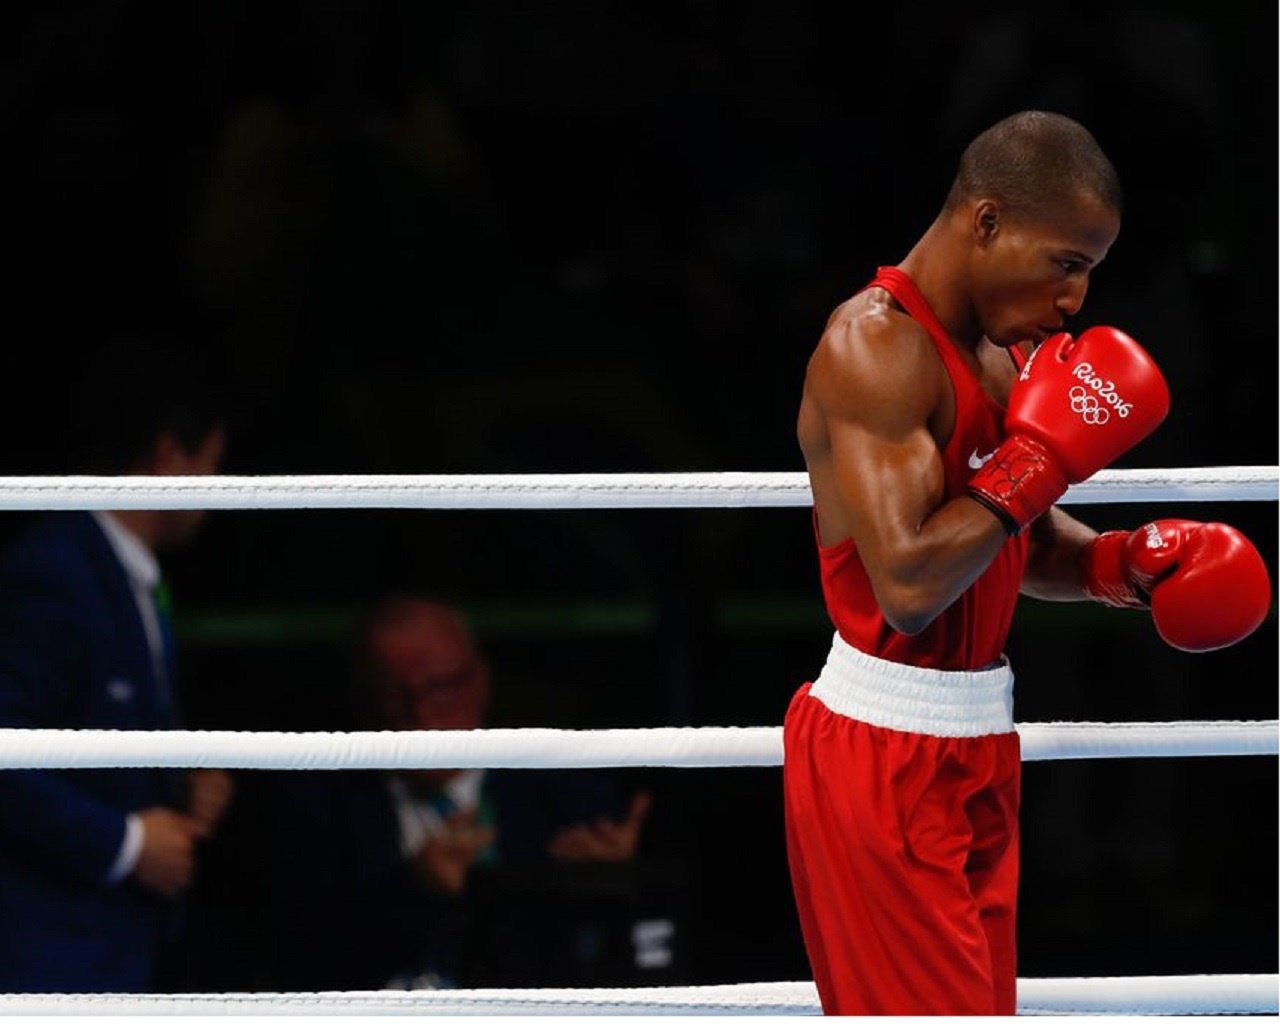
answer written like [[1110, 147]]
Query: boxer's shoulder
[[870, 351]]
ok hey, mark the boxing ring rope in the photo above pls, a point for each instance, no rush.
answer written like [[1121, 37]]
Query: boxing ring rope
[[1125, 995], [561, 748], [566, 748], [566, 491]]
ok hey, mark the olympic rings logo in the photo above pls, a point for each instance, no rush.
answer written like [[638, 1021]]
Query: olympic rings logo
[[1106, 389], [1088, 406]]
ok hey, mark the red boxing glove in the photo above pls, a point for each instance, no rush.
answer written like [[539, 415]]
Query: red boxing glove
[[1076, 406], [1206, 585]]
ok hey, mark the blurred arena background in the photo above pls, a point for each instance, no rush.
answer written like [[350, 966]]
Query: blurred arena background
[[494, 238]]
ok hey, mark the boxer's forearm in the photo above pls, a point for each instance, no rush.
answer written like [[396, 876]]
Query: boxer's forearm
[[1053, 558]]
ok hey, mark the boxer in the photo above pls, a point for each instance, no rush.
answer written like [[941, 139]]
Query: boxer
[[945, 411]]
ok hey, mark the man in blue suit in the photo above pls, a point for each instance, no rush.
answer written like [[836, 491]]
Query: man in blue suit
[[93, 863]]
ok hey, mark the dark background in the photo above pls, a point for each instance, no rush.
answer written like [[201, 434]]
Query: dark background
[[581, 237]]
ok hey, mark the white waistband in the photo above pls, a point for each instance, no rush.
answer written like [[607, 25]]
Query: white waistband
[[951, 704]]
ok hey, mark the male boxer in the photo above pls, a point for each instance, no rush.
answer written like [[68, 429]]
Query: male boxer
[[944, 413]]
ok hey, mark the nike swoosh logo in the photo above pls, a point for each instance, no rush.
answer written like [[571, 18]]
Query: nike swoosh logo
[[976, 462]]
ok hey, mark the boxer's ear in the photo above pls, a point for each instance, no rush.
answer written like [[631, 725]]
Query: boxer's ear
[[986, 221]]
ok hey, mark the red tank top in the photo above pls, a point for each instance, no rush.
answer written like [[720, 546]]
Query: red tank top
[[971, 632]]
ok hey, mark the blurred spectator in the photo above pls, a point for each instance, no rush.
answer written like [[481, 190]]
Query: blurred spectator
[[94, 863], [511, 831], [369, 880], [418, 667]]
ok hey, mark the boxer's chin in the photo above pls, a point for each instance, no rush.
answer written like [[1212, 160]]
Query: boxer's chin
[[1008, 338]]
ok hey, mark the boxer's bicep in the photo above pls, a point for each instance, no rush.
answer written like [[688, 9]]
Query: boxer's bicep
[[878, 389], [888, 484]]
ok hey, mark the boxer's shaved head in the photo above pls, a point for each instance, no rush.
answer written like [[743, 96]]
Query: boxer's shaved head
[[1035, 163]]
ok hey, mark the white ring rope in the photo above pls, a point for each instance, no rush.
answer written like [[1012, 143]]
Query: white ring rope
[[23, 748], [564, 491], [1136, 995], [561, 748]]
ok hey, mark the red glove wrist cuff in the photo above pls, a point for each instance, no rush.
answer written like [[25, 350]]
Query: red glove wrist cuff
[[1019, 482], [1103, 572]]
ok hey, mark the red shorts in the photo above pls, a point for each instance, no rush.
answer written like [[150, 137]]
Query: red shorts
[[903, 850]]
